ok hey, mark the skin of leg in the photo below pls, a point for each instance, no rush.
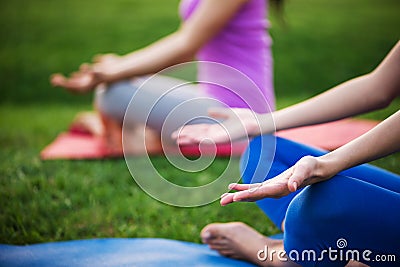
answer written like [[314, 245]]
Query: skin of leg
[[139, 139], [112, 134], [88, 122], [100, 124], [110, 107]]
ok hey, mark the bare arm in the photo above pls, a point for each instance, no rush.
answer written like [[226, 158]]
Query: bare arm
[[366, 93], [384, 139], [363, 94], [207, 21], [381, 141]]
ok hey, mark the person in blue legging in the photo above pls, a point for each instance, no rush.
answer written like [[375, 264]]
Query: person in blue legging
[[334, 209]]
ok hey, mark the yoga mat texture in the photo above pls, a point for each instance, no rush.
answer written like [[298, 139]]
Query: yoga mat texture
[[141, 252]]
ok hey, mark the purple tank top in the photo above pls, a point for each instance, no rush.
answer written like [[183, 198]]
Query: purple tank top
[[245, 46]]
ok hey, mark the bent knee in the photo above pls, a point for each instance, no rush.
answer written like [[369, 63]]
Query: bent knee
[[312, 213], [113, 101]]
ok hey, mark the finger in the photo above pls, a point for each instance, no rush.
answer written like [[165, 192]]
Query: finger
[[300, 173], [244, 187], [190, 133], [227, 199], [186, 141], [270, 188], [248, 196], [190, 130], [218, 242], [176, 134], [57, 79], [182, 134], [85, 67], [205, 133], [239, 187]]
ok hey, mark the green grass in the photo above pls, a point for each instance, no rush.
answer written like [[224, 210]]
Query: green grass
[[58, 200], [324, 43]]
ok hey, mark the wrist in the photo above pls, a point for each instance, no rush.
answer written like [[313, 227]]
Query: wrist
[[107, 77], [265, 124], [253, 127], [327, 167], [111, 70]]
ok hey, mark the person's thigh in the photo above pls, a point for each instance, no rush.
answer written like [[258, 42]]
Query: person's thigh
[[166, 103], [160, 102], [344, 217], [267, 156], [113, 100]]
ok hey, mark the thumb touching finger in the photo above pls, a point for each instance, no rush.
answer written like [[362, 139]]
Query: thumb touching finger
[[299, 174]]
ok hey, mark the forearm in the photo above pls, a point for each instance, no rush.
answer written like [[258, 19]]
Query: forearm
[[348, 99], [359, 95], [382, 140], [337, 103], [166, 52], [209, 18]]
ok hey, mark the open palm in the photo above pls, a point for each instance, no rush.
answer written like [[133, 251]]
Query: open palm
[[237, 123], [303, 173]]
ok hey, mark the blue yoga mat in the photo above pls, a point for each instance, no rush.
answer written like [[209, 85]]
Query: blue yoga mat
[[141, 252]]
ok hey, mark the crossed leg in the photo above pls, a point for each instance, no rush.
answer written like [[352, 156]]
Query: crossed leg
[[240, 241]]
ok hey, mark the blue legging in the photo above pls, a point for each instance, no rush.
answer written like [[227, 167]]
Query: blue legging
[[355, 211]]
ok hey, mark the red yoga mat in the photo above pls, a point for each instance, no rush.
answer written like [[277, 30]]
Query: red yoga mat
[[329, 136]]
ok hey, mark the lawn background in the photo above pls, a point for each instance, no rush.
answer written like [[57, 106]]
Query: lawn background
[[321, 44]]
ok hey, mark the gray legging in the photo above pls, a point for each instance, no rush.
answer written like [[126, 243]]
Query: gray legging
[[162, 103]]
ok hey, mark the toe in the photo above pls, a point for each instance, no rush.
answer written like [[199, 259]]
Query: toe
[[210, 232]]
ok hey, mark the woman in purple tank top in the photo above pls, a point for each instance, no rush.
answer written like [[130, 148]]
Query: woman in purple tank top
[[230, 40]]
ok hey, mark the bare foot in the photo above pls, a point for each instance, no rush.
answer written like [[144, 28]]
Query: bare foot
[[238, 240], [140, 140], [112, 135], [88, 122]]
